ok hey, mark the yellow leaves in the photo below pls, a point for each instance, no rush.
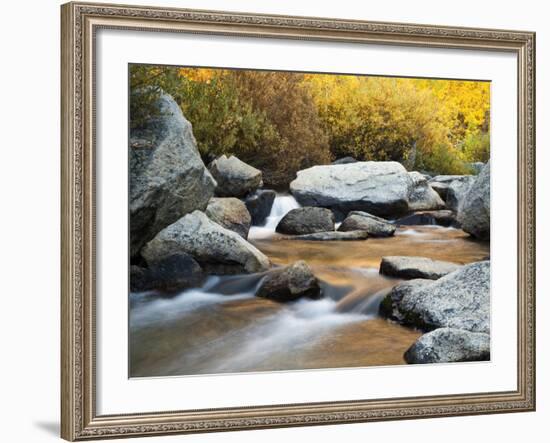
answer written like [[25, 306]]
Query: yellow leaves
[[203, 75]]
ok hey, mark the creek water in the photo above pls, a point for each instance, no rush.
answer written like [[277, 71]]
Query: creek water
[[222, 327]]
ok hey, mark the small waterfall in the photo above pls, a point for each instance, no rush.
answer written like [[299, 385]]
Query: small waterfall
[[281, 206], [148, 308]]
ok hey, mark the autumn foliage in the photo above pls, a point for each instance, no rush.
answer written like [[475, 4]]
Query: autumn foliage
[[282, 122]]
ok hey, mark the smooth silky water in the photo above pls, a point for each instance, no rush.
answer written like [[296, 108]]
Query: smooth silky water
[[223, 328]]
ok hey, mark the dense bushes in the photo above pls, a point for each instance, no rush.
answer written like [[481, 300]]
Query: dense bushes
[[284, 122], [268, 120]]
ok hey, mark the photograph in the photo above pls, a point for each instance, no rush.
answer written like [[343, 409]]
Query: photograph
[[285, 220]]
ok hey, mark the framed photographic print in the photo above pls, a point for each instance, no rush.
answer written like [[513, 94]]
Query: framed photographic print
[[283, 221]]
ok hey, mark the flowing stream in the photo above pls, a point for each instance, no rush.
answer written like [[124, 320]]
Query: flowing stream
[[222, 327]]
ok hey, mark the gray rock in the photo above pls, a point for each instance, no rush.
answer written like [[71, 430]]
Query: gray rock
[[443, 217], [458, 300], [379, 188], [422, 196], [416, 267], [306, 220], [259, 204], [344, 161], [474, 212], [218, 250], [290, 283], [389, 307], [448, 345], [168, 274], [440, 183], [235, 178], [363, 221], [231, 213], [167, 176], [456, 192], [332, 236]]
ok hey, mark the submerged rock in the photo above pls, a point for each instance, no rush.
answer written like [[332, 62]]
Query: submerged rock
[[332, 236], [379, 188], [290, 283], [231, 213], [167, 176], [363, 221], [259, 204], [448, 345], [443, 217], [235, 178], [218, 250], [171, 273], [474, 212], [422, 196], [457, 300], [416, 267], [441, 183], [306, 220]]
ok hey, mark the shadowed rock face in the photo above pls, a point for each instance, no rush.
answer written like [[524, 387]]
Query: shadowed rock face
[[362, 221], [231, 213], [458, 300], [456, 192], [379, 188], [448, 345], [218, 250], [167, 176], [416, 267], [168, 274], [290, 283], [235, 178], [306, 220], [422, 196], [441, 183], [259, 204], [442, 217], [474, 212]]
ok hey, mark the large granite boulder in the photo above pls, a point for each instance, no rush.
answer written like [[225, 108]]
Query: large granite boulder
[[456, 192], [218, 250], [167, 176], [441, 183], [259, 204], [389, 306], [379, 188], [235, 178], [422, 196], [306, 220], [332, 236], [290, 283], [416, 267], [458, 300], [170, 273], [474, 212], [448, 345], [231, 213], [363, 221]]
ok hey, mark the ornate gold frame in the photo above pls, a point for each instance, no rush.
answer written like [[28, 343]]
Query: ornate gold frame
[[78, 416]]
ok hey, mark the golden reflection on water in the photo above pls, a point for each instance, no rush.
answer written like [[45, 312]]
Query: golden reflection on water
[[254, 334]]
